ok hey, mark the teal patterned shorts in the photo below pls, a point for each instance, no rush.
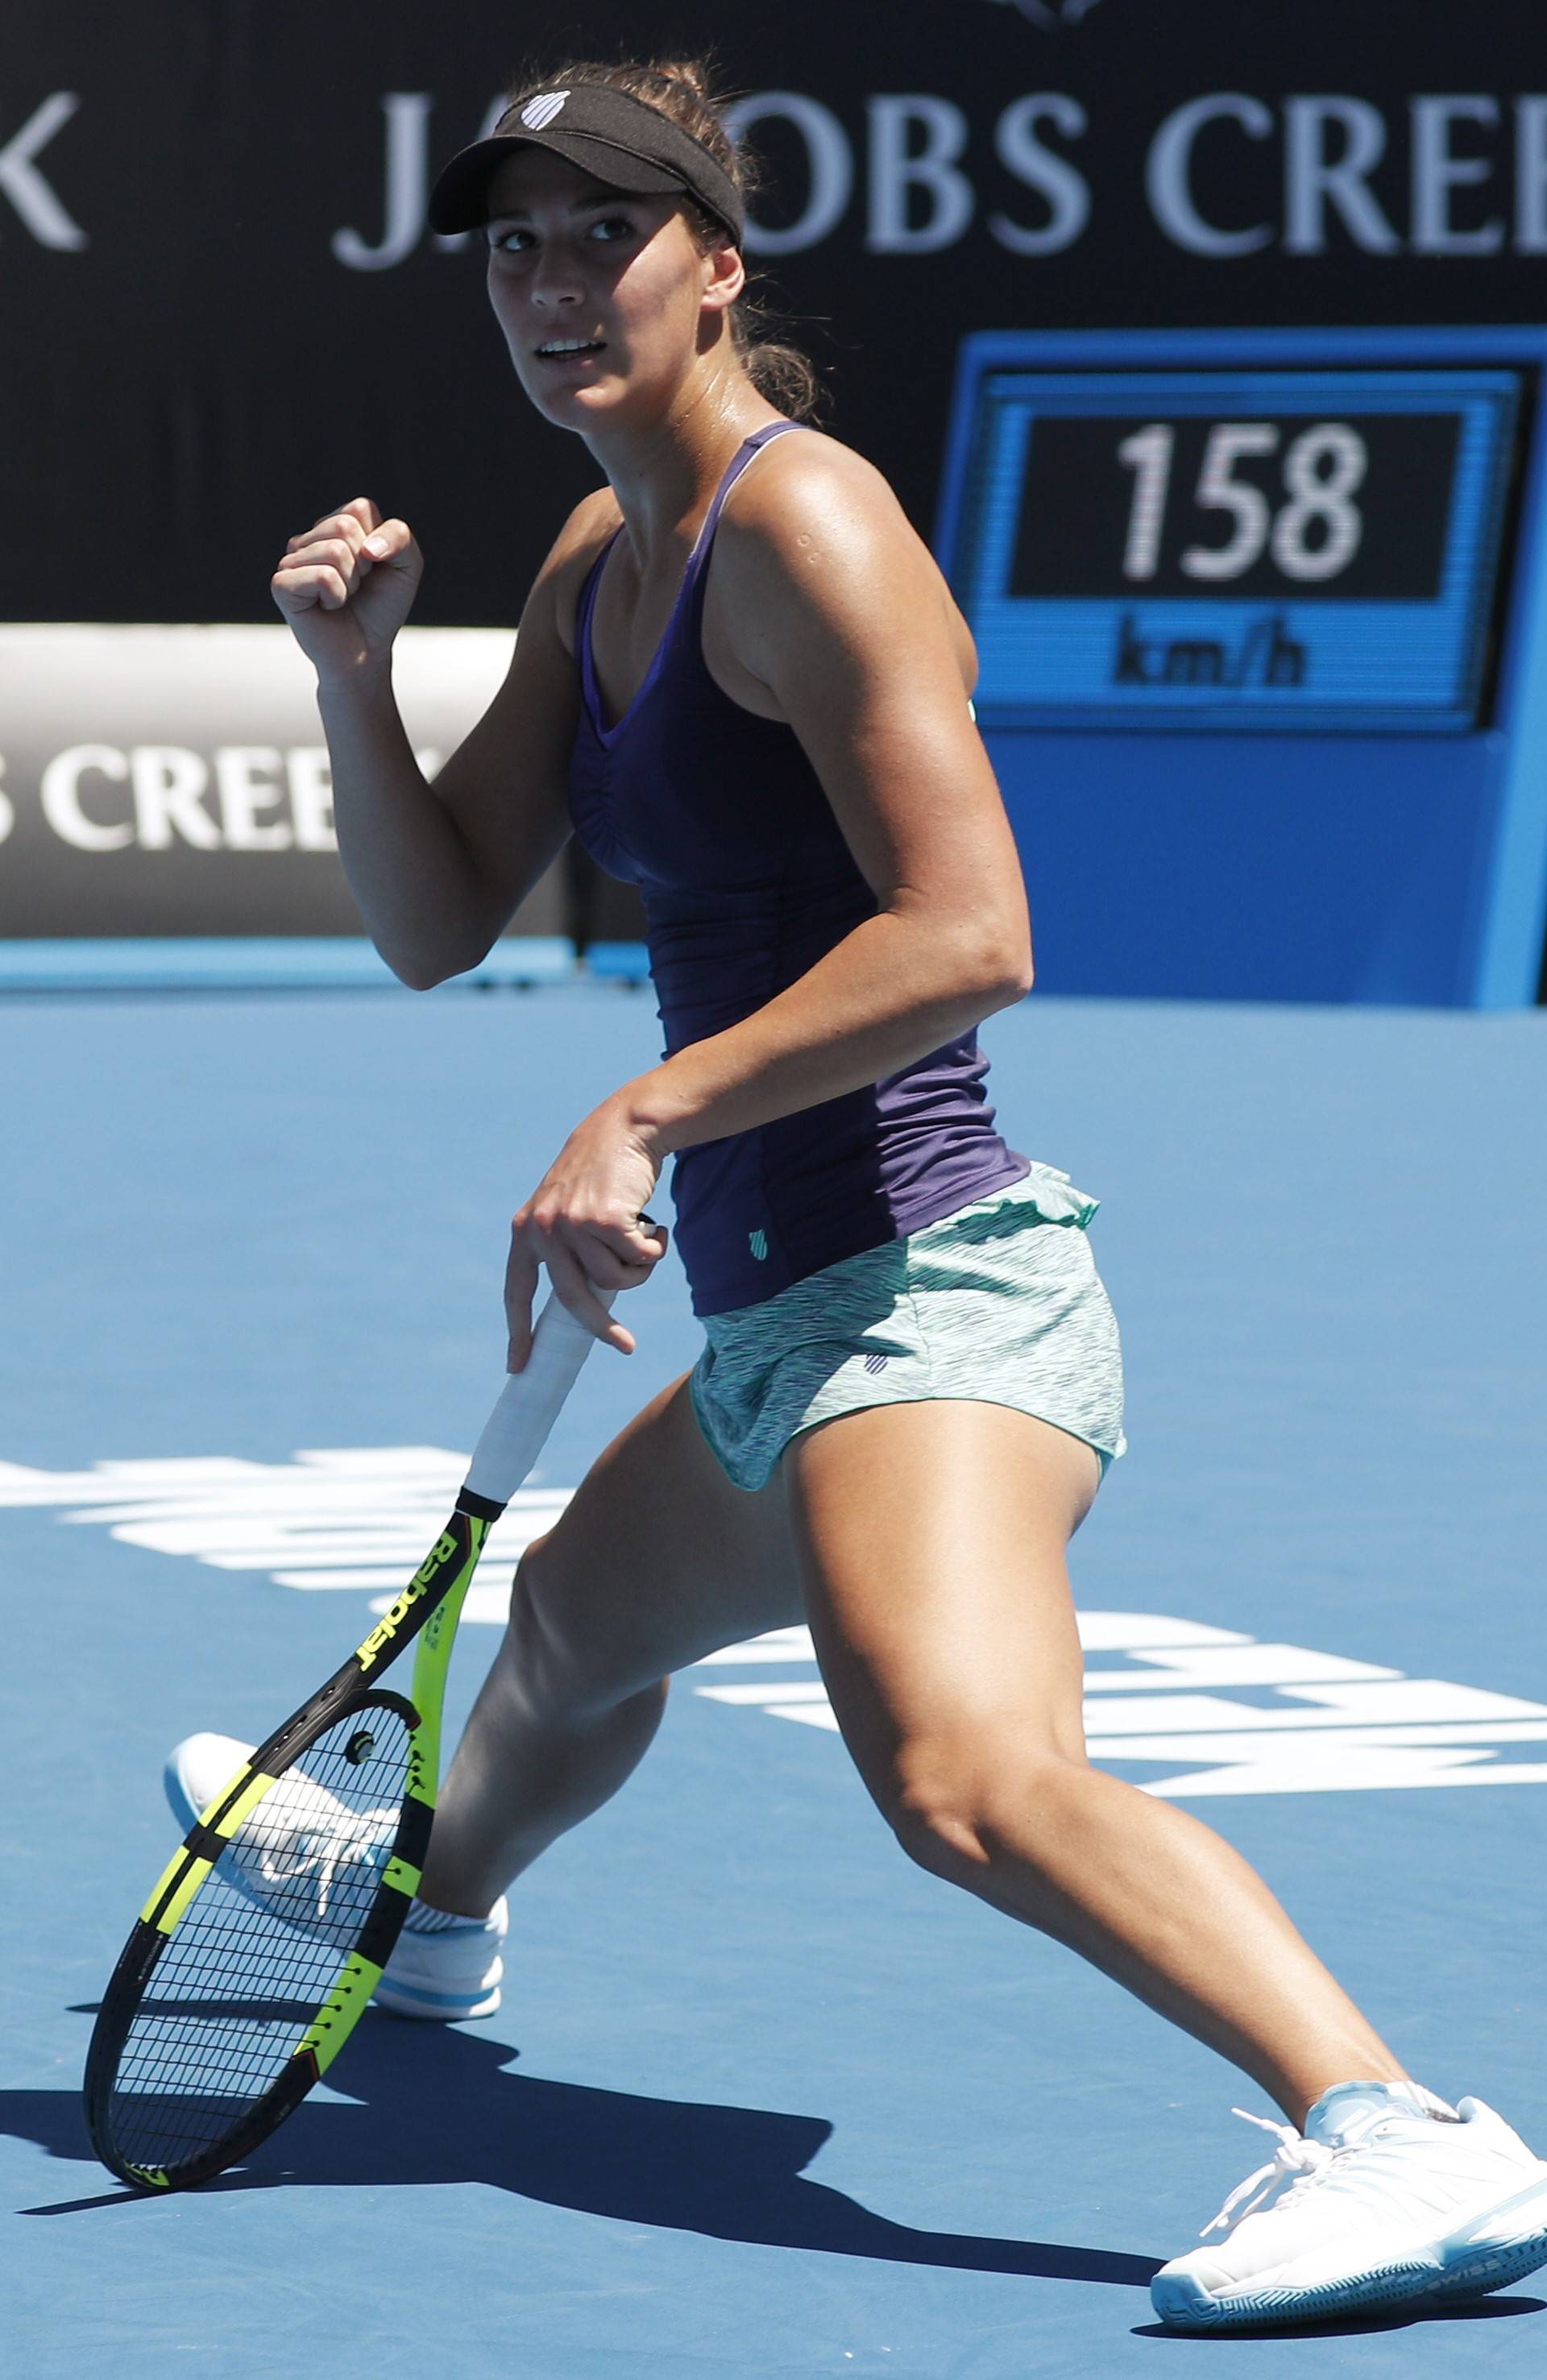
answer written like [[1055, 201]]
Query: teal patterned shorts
[[1000, 1301]]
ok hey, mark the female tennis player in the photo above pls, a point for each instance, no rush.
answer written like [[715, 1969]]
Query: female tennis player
[[740, 679]]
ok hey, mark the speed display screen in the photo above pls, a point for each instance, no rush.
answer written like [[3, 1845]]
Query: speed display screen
[[1314, 548]]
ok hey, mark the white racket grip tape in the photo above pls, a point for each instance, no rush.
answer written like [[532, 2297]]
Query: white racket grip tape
[[527, 1406]]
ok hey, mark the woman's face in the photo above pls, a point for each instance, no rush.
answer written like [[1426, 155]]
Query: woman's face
[[604, 299]]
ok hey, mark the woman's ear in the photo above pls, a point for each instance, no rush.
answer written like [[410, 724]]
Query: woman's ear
[[725, 277]]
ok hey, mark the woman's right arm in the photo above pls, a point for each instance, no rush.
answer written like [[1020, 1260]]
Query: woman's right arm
[[437, 870]]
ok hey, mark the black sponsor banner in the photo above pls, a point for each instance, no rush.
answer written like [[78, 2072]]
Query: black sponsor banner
[[226, 313]]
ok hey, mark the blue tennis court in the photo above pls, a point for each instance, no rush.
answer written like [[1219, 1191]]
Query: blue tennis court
[[762, 2098]]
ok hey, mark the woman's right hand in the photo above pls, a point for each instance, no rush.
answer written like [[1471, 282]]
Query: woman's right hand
[[345, 585]]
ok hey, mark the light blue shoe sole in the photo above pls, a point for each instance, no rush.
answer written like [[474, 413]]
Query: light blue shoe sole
[[440, 2008], [1457, 2269], [1515, 2244], [1185, 2305]]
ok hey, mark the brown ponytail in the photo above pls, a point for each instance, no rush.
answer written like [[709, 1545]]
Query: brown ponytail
[[683, 88]]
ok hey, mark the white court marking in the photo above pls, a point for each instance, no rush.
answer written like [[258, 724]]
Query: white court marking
[[1159, 1689]]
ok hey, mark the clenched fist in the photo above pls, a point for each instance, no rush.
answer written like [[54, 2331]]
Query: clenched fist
[[347, 585]]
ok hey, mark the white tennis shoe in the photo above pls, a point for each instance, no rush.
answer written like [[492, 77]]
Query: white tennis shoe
[[1389, 2196], [447, 1976], [314, 1862]]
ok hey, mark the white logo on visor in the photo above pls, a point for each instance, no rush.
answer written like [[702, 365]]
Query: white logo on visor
[[538, 112]]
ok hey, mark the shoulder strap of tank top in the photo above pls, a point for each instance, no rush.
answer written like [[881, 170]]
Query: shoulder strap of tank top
[[584, 610], [689, 600], [692, 603], [746, 453]]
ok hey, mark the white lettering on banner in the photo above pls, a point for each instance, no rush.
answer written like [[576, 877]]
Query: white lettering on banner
[[407, 137], [1160, 1690], [829, 162], [34, 201], [897, 169], [1437, 171], [168, 783], [920, 196], [1315, 181], [309, 774], [1022, 154], [1168, 173], [59, 791], [244, 775], [406, 185], [1530, 175], [451, 240]]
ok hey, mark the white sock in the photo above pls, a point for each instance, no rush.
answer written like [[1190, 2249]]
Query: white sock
[[422, 1919]]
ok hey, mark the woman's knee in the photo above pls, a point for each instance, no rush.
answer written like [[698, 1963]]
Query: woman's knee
[[955, 1799]]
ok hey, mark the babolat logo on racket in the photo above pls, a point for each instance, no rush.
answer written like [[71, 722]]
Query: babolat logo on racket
[[433, 1563], [445, 1549]]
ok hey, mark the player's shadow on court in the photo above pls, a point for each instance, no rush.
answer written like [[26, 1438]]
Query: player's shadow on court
[[425, 2108], [446, 2107]]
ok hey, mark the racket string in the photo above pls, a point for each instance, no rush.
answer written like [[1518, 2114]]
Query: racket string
[[260, 1945]]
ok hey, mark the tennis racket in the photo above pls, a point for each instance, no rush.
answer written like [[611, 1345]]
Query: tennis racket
[[253, 1959]]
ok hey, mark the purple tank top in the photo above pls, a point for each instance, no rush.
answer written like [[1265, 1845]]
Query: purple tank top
[[721, 820]]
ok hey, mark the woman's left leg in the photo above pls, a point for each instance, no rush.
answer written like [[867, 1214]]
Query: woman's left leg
[[932, 1539]]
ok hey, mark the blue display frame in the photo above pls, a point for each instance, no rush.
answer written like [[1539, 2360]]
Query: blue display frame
[[1047, 660], [1378, 861]]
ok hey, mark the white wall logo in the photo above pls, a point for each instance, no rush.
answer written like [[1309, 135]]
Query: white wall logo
[[538, 112], [1220, 1712], [1051, 14]]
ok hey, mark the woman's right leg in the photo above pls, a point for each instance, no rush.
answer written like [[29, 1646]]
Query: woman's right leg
[[656, 1560]]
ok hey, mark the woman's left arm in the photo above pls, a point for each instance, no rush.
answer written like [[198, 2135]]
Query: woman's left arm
[[833, 605]]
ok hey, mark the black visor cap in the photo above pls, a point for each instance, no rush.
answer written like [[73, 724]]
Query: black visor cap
[[620, 140]]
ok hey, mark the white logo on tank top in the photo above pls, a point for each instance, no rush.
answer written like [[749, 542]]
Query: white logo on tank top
[[758, 1243], [538, 112]]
